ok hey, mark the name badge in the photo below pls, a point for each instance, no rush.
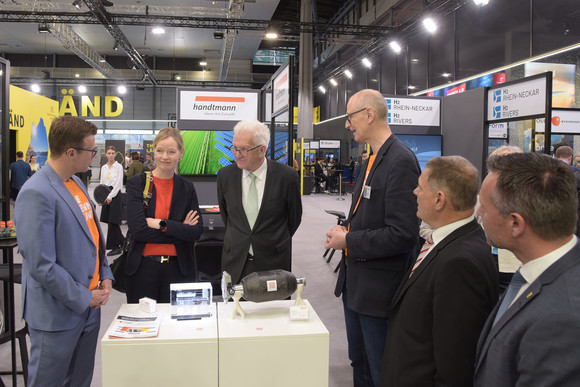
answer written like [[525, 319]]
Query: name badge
[[367, 192]]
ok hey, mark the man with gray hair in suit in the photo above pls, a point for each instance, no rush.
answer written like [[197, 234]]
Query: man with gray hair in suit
[[528, 206]]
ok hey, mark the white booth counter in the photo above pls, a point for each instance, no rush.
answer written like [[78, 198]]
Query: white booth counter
[[264, 349], [183, 351], [267, 349]]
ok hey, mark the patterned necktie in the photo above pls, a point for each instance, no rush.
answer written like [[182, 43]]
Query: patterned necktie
[[510, 294], [252, 201], [424, 251]]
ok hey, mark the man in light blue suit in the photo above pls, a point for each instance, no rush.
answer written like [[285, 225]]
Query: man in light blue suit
[[528, 206], [65, 275]]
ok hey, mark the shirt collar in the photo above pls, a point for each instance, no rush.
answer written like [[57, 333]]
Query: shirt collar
[[442, 232], [533, 269], [260, 173]]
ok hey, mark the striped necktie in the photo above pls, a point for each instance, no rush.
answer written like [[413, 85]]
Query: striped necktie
[[424, 251]]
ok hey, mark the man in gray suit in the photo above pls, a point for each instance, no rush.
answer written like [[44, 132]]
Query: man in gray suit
[[65, 275], [528, 206], [260, 205]]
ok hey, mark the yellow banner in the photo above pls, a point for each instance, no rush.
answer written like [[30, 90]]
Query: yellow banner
[[31, 116]]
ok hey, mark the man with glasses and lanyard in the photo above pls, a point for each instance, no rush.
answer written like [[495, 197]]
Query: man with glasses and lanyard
[[380, 236], [65, 275], [260, 205]]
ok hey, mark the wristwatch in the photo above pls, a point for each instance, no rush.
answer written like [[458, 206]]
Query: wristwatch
[[162, 225]]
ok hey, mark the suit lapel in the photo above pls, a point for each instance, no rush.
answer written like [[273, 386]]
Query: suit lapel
[[560, 266], [65, 194], [268, 187], [359, 183], [423, 267]]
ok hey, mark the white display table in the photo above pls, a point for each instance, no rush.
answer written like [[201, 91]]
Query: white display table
[[267, 349], [264, 349], [184, 354]]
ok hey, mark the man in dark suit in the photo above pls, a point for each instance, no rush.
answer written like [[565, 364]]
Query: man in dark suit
[[528, 206], [439, 309], [380, 236], [565, 153], [260, 205]]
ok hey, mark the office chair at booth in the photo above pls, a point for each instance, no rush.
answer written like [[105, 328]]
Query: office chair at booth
[[340, 217], [207, 253]]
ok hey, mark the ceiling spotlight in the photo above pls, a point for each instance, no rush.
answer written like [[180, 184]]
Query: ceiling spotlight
[[77, 75], [481, 3], [430, 25], [77, 3], [203, 62], [322, 89], [218, 34], [333, 82], [106, 3], [348, 74], [367, 62], [410, 87], [271, 35], [446, 75], [43, 28], [415, 60], [158, 30], [122, 89], [175, 77], [116, 46], [82, 89], [102, 60], [35, 88], [395, 47]]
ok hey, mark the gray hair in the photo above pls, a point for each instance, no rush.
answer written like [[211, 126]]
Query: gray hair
[[505, 150], [260, 131]]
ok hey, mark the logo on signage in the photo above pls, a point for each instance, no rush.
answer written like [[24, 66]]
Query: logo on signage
[[497, 96], [220, 105], [113, 105], [555, 120]]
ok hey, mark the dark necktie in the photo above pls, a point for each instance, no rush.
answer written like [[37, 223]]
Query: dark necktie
[[514, 287]]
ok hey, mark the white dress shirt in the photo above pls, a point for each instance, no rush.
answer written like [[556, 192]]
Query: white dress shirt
[[113, 177], [260, 183], [533, 269]]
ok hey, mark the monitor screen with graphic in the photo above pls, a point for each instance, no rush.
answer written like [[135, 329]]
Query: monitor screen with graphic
[[425, 147]]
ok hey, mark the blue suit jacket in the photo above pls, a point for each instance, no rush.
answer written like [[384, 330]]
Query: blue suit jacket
[[58, 252], [536, 341]]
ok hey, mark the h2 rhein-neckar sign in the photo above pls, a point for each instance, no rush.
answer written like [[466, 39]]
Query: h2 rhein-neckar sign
[[517, 100]]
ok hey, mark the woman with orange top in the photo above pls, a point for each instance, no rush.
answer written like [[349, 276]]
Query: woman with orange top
[[163, 233]]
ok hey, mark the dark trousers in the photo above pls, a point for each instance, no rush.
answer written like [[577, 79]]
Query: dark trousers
[[152, 280], [115, 236], [366, 336]]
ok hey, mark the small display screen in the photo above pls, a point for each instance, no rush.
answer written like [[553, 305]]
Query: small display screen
[[425, 147]]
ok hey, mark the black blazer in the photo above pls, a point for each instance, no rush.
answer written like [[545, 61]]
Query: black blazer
[[182, 236], [279, 217], [384, 231], [438, 313]]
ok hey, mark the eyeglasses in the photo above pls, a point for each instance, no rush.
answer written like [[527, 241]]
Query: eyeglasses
[[243, 152], [93, 151], [349, 115]]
